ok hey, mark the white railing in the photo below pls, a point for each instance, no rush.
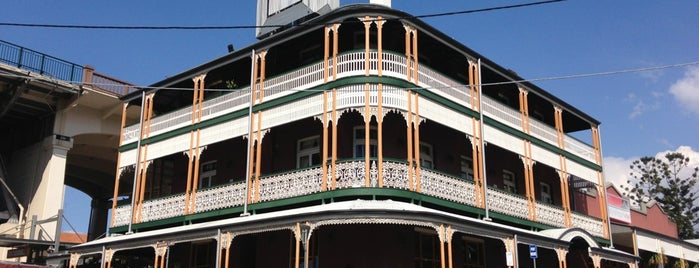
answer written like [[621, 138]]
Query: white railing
[[580, 149], [543, 132], [297, 183], [225, 196], [351, 174], [548, 214], [444, 86], [507, 115], [587, 223], [508, 204], [162, 208], [353, 64], [447, 187], [183, 117]]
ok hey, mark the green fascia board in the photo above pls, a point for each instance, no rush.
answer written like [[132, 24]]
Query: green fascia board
[[363, 80]]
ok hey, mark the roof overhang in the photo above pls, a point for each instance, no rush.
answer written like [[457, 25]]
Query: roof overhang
[[348, 212]]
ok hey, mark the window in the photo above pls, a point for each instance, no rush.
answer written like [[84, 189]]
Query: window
[[545, 193], [426, 155], [200, 253], [160, 178], [207, 174], [359, 142], [474, 252], [308, 152], [466, 167], [508, 181], [427, 249]]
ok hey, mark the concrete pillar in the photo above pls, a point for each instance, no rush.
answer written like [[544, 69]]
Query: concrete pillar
[[98, 219], [48, 196]]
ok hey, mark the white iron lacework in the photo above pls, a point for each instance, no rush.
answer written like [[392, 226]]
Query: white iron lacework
[[351, 174]]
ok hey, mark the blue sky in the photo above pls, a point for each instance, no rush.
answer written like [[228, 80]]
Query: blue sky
[[642, 114]]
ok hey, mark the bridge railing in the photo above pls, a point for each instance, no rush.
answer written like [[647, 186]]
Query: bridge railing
[[41, 63]]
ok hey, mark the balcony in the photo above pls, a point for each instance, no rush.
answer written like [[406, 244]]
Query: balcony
[[351, 64], [351, 175]]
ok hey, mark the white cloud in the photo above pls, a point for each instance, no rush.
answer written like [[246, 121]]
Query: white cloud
[[687, 151], [686, 90], [640, 106], [617, 169]]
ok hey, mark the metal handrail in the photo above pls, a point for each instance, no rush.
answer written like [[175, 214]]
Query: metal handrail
[[31, 60]]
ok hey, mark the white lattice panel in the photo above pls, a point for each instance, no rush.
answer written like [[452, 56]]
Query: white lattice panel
[[550, 215], [590, 224]]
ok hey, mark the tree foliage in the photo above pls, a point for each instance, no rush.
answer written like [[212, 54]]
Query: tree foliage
[[667, 182]]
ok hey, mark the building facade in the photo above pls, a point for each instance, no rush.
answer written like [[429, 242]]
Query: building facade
[[361, 138]]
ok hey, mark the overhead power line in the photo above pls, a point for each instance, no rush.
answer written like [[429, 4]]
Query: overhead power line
[[236, 27], [548, 78]]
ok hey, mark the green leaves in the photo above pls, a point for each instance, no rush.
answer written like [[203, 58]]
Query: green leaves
[[666, 182]]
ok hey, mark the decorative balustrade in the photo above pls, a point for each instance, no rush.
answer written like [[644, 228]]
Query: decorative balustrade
[[507, 203], [351, 174], [162, 208], [548, 214], [353, 64], [507, 115], [220, 197], [590, 224]]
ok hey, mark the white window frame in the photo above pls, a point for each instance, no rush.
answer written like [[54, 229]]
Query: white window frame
[[359, 141], [545, 191], [307, 152], [426, 155], [206, 177], [466, 167], [509, 181]]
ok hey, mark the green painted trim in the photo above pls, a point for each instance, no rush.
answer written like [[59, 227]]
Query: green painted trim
[[541, 143], [414, 197], [363, 80], [270, 104]]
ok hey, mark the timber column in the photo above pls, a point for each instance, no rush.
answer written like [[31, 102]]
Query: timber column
[[195, 149], [477, 152], [257, 91], [563, 170], [561, 254], [527, 157], [117, 178], [367, 109], [511, 247], [601, 189], [328, 76], [225, 241], [445, 235], [161, 249], [143, 163]]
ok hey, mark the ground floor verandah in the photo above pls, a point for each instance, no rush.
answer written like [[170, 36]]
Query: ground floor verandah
[[348, 234]]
